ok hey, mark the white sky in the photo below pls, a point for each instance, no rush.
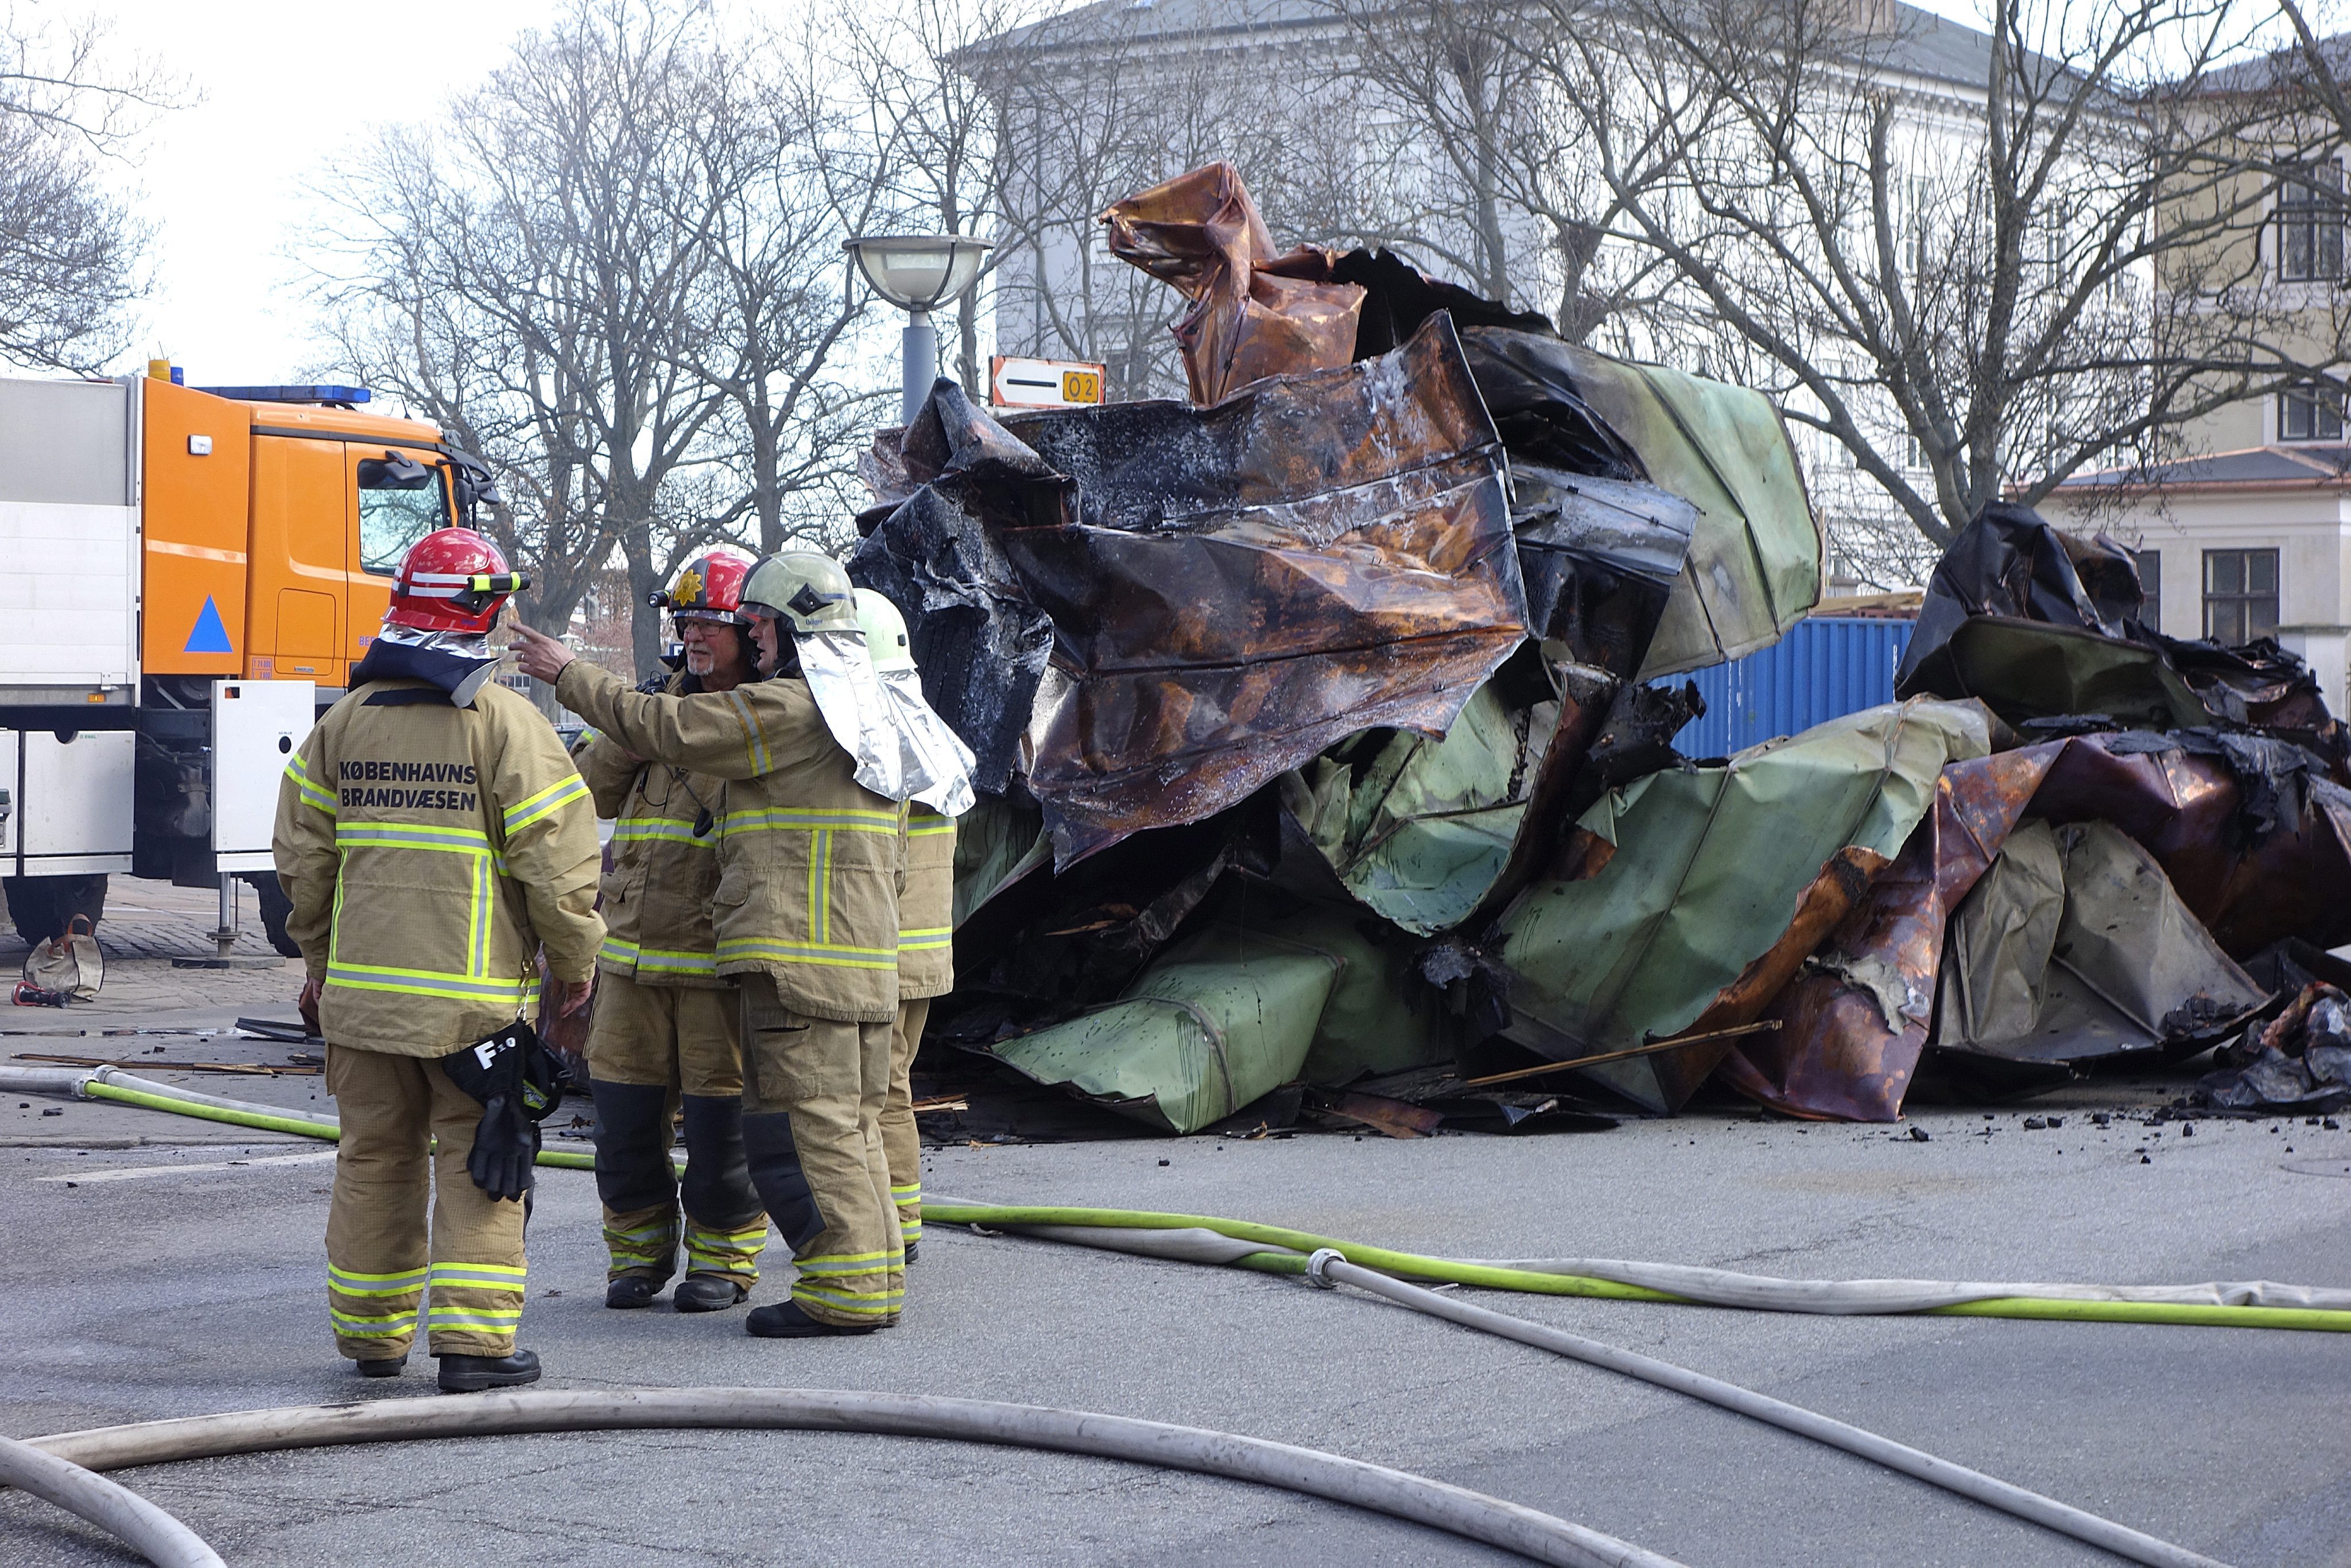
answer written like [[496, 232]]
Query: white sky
[[283, 86]]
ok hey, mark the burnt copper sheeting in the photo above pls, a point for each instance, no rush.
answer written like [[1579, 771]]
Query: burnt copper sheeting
[[1853, 1023], [951, 481], [2040, 624], [1248, 584], [1253, 313]]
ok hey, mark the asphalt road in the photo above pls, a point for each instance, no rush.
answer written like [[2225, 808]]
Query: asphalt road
[[199, 1287]]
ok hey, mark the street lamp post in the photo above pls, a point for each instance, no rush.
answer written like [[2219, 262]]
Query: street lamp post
[[917, 273]]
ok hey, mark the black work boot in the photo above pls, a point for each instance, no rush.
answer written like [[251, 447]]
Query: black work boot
[[472, 1374], [389, 1367], [631, 1290], [706, 1293], [914, 1249], [785, 1321]]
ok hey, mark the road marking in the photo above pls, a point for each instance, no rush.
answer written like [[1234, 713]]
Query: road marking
[[133, 1172]]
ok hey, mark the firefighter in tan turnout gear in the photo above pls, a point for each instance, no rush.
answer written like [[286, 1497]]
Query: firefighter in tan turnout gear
[[432, 834], [806, 920], [664, 1043], [925, 934]]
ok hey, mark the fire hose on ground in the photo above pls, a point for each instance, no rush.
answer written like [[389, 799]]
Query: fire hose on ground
[[1271, 1249]]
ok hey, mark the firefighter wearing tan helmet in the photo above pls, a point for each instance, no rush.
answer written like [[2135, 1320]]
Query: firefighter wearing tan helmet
[[664, 1044], [431, 835], [806, 919]]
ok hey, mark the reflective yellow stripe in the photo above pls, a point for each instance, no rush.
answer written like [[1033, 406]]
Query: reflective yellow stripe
[[920, 936], [657, 961], [411, 836], [930, 830], [545, 803], [479, 947], [821, 886], [307, 788], [493, 1276], [676, 961], [496, 1320], [755, 739], [389, 1326], [849, 1262], [355, 1284], [666, 829], [879, 1304], [796, 820], [425, 983], [732, 949]]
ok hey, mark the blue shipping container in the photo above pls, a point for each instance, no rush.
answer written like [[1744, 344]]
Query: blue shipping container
[[1825, 667]]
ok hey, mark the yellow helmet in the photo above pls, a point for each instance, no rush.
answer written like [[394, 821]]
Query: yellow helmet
[[885, 633], [807, 590]]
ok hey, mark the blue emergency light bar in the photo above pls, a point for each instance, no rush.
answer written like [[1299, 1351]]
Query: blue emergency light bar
[[292, 395]]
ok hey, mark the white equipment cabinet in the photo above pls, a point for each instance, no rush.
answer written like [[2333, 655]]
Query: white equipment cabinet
[[256, 725]]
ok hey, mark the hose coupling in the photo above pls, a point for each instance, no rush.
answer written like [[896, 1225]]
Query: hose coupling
[[1318, 1268]]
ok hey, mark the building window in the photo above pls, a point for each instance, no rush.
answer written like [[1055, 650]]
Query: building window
[[2310, 224], [2241, 595], [2150, 582], [2311, 413]]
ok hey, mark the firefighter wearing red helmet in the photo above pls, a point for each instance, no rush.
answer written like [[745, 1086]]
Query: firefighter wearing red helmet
[[433, 836], [664, 1044], [805, 917]]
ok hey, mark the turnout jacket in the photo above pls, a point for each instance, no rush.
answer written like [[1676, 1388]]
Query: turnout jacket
[[926, 906], [429, 850], [808, 858], [664, 861]]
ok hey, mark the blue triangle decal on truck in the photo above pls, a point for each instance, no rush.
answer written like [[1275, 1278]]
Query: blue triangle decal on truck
[[209, 636]]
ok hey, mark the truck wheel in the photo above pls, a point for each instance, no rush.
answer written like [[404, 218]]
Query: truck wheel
[[275, 907], [41, 906]]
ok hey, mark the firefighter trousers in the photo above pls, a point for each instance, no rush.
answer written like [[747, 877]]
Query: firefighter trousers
[[383, 1262], [655, 1051], [813, 1096], [900, 1142]]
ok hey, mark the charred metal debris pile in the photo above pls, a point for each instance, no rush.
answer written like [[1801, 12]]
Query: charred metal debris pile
[[1324, 731]]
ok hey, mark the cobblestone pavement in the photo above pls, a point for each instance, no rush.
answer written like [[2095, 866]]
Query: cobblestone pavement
[[156, 920], [147, 924]]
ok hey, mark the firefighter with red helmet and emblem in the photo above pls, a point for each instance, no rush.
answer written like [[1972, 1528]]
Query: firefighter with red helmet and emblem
[[805, 918], [433, 836], [664, 1045]]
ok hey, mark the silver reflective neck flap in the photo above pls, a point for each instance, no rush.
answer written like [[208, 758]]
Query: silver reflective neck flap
[[849, 695]]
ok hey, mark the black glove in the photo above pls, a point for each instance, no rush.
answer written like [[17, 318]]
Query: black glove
[[518, 1082]]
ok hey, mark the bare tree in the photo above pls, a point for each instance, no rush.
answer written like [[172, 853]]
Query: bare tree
[[71, 254], [1967, 299], [792, 181], [561, 220], [923, 80]]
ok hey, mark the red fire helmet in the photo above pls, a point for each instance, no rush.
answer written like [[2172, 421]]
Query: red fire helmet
[[452, 580], [708, 589]]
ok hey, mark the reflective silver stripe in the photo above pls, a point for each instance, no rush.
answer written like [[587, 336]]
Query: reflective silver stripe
[[545, 802], [344, 1282], [425, 983], [476, 1276], [733, 949], [496, 1320], [666, 829], [664, 960]]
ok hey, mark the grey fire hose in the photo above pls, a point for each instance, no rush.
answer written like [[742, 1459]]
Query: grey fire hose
[[1530, 1533], [121, 1513], [1328, 1269]]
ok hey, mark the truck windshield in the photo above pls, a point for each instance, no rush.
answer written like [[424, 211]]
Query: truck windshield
[[401, 501]]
